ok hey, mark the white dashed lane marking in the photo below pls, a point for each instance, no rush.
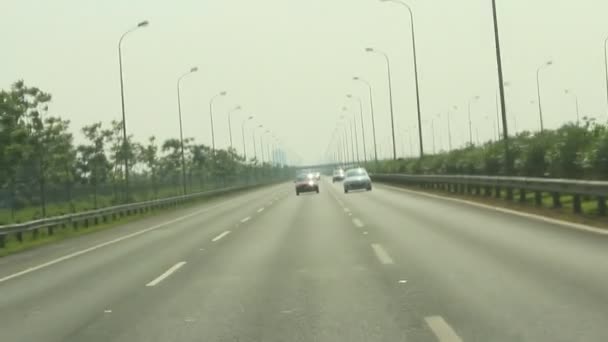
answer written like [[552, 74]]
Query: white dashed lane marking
[[166, 274], [217, 238], [246, 219], [442, 329], [358, 223], [382, 255]]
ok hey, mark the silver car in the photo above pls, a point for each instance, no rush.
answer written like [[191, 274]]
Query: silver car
[[357, 179]]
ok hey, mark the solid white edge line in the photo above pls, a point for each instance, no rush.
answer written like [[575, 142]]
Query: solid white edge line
[[260, 210], [346, 210], [107, 243], [358, 223], [442, 329], [246, 219], [217, 238], [166, 274], [382, 255], [566, 224]]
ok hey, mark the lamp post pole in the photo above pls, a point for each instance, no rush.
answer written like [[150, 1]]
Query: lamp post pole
[[540, 107], [122, 106], [390, 95], [223, 93], [181, 131], [409, 9], [243, 134], [237, 108]]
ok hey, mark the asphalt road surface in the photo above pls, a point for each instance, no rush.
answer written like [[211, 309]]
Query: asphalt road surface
[[385, 265]]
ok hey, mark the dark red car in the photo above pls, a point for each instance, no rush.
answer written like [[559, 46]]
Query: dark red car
[[306, 183]]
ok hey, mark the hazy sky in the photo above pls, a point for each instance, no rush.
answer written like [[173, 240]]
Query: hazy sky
[[290, 63]]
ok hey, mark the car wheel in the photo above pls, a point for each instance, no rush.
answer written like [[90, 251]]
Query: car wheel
[[369, 189], [317, 189], [297, 193], [345, 190]]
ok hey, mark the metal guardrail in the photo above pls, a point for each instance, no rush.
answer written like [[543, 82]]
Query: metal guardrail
[[494, 186], [104, 215]]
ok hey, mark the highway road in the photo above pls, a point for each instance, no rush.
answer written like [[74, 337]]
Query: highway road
[[385, 265]]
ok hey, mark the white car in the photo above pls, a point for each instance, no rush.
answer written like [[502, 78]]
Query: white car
[[338, 176], [357, 179]]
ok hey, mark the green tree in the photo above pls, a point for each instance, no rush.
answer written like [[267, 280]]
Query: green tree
[[93, 165], [148, 155], [171, 162], [20, 147]]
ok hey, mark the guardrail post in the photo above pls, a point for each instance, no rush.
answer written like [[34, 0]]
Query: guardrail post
[[51, 230], [86, 223], [487, 191], [497, 191], [19, 236], [96, 220], [538, 198], [2, 241], [35, 233], [477, 190], [576, 204], [601, 205], [522, 195], [556, 200]]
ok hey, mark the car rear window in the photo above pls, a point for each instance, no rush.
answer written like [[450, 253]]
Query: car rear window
[[356, 172], [303, 177]]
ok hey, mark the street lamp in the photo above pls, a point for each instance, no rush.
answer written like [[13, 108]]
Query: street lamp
[[237, 108], [371, 106], [501, 87], [349, 123], [341, 146], [450, 126], [243, 133], [181, 131], [540, 108], [354, 124], [474, 98], [390, 94], [568, 91], [409, 9], [262, 144], [255, 149], [350, 96], [122, 104], [223, 93], [344, 138]]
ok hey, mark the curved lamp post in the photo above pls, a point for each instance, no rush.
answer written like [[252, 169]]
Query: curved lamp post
[[122, 104]]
